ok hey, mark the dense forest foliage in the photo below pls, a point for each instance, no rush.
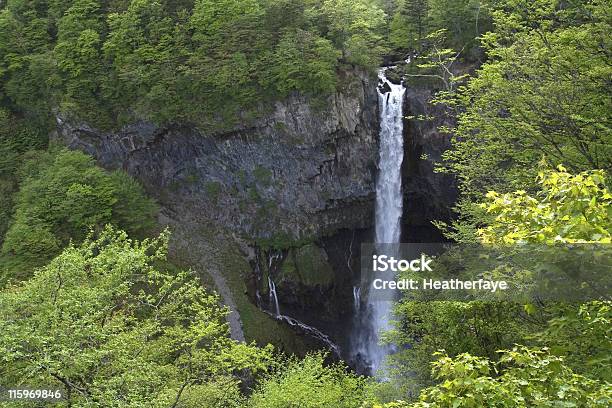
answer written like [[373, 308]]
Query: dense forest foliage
[[112, 62], [542, 95], [89, 302]]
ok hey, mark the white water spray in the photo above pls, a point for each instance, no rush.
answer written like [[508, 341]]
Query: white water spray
[[391, 155], [356, 298], [375, 319], [273, 296]]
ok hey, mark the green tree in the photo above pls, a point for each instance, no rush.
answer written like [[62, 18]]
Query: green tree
[[544, 92], [64, 194], [436, 63], [280, 15], [568, 208], [147, 48], [27, 70], [80, 32], [423, 327], [207, 63], [305, 61], [309, 383], [410, 24], [465, 20], [103, 325], [229, 40], [523, 377], [582, 336], [355, 27], [16, 138]]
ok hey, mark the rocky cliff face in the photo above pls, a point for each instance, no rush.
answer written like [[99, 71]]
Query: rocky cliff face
[[303, 170], [295, 186], [428, 196]]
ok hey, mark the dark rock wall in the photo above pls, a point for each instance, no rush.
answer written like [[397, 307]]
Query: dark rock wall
[[304, 170], [428, 195]]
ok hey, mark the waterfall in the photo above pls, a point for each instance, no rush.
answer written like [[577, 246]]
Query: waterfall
[[312, 332], [273, 296], [273, 309], [374, 318], [356, 298], [389, 182]]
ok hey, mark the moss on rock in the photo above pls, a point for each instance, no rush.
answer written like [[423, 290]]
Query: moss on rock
[[307, 265]]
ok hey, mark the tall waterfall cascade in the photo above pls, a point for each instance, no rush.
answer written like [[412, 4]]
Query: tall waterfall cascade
[[389, 181], [373, 316]]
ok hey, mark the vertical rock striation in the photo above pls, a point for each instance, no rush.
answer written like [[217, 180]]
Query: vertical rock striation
[[305, 169]]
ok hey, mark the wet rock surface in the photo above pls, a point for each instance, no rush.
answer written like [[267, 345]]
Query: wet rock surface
[[428, 195]]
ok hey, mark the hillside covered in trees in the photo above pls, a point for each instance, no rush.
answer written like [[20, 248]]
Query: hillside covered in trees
[[99, 302]]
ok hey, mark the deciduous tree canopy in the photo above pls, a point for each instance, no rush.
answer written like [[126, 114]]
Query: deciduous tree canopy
[[106, 326], [110, 62]]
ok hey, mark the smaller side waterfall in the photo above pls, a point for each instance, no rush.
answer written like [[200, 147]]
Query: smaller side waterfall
[[266, 267], [312, 332], [356, 298], [273, 296]]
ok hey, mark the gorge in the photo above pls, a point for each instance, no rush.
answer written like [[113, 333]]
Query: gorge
[[202, 203], [278, 207]]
